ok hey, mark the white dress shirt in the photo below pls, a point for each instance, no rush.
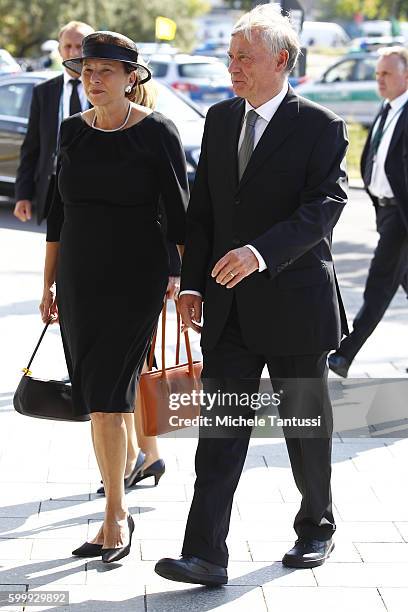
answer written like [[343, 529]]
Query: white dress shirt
[[66, 95], [266, 111], [380, 186]]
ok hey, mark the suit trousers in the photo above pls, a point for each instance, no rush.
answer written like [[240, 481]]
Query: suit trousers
[[220, 460], [388, 270]]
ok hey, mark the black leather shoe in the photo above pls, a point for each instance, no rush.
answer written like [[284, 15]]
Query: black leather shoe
[[156, 470], [192, 570], [88, 550], [138, 465], [110, 555], [308, 553], [339, 364]]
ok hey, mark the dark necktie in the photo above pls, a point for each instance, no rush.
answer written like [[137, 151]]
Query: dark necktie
[[374, 144], [247, 145], [74, 101]]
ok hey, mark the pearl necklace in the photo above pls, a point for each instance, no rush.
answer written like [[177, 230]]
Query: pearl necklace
[[114, 129]]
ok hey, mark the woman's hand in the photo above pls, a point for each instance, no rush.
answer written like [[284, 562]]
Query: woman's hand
[[173, 287], [48, 306]]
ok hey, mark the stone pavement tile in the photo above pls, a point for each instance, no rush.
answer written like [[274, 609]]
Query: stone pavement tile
[[167, 511], [149, 530], [375, 511], [73, 475], [19, 510], [15, 548], [22, 472], [27, 492], [190, 598], [33, 527], [321, 599], [127, 571], [368, 531], [382, 552], [367, 574], [348, 492], [53, 511], [376, 460], [398, 448], [54, 548], [262, 550], [344, 469], [275, 511], [17, 588], [262, 530], [51, 573], [262, 573], [391, 493], [150, 493], [402, 529], [289, 492], [152, 550], [395, 599]]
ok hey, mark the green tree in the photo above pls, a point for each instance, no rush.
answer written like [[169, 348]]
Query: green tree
[[25, 24], [371, 9]]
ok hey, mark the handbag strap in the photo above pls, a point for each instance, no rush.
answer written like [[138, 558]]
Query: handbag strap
[[178, 342], [27, 370]]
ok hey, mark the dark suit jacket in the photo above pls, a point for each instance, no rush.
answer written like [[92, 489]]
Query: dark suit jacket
[[286, 205], [38, 149], [395, 163]]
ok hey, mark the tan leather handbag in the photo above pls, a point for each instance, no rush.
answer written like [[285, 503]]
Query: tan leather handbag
[[170, 396]]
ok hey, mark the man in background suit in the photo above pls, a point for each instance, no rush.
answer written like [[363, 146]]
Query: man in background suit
[[383, 168], [52, 101], [269, 189]]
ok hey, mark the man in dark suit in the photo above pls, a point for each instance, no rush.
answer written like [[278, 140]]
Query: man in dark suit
[[52, 101], [270, 188], [383, 168]]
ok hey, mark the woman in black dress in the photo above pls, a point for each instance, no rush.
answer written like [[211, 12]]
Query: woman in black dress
[[107, 254]]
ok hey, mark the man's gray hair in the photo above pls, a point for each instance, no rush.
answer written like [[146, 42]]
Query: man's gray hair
[[275, 29], [399, 51]]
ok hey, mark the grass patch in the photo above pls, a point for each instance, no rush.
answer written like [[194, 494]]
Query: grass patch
[[357, 137]]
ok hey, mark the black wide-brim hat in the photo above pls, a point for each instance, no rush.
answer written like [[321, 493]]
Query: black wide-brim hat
[[92, 48]]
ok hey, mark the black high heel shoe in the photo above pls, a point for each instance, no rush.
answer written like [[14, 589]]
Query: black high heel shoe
[[88, 550], [139, 463], [156, 470], [110, 555]]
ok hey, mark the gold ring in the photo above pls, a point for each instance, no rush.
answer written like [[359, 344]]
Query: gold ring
[[232, 274]]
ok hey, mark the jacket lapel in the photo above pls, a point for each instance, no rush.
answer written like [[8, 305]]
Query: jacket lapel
[[278, 129], [236, 118], [398, 129]]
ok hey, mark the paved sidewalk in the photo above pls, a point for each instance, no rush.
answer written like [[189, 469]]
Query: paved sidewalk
[[48, 477]]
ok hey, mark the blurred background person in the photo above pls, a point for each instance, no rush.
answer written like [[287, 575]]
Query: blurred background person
[[52, 102], [383, 168]]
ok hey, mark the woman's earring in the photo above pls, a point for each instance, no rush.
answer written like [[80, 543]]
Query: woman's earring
[[128, 89]]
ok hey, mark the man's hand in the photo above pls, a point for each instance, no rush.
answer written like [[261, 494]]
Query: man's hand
[[190, 309], [22, 210], [234, 266], [173, 287]]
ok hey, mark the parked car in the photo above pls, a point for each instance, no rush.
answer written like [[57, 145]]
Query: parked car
[[348, 88], [323, 34], [205, 80], [15, 99], [7, 63]]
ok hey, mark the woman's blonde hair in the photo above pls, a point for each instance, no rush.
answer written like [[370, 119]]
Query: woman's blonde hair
[[144, 94]]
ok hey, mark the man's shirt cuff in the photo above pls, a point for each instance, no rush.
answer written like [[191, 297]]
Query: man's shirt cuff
[[191, 292], [261, 261]]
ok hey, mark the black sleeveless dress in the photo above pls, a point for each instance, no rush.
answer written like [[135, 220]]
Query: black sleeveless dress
[[113, 263]]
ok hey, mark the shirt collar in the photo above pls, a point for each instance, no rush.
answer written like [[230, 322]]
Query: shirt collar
[[67, 78], [269, 108], [397, 103]]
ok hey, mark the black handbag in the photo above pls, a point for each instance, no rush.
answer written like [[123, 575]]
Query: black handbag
[[45, 399]]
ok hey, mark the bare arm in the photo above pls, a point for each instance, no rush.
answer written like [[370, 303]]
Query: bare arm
[[48, 305]]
